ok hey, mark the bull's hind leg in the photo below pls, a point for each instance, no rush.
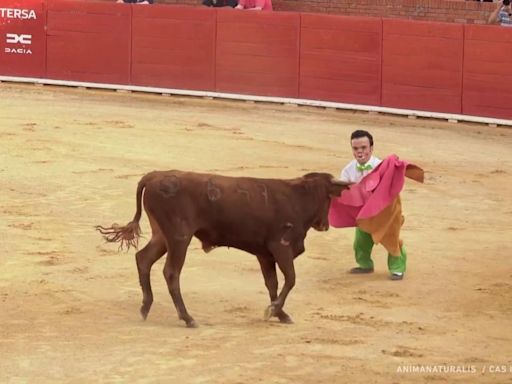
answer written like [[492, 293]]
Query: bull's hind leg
[[145, 258], [177, 251], [268, 269]]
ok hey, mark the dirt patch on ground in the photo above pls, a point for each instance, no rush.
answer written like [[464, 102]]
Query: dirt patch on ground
[[70, 159]]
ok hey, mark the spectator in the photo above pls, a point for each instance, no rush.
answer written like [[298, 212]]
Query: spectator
[[255, 5], [136, 1], [220, 3], [502, 14]]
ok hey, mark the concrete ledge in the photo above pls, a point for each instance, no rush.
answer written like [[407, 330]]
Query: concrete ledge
[[316, 103]]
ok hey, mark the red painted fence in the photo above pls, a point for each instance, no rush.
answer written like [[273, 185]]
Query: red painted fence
[[340, 59], [422, 65], [258, 53], [22, 38], [487, 72], [439, 67], [173, 47], [88, 41]]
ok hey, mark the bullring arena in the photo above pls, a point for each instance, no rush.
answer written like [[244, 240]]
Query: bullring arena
[[71, 159]]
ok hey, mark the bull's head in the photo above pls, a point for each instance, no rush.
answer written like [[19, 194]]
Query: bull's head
[[325, 187]]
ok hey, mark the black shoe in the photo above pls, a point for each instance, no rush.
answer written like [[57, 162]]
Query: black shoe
[[360, 270], [396, 276]]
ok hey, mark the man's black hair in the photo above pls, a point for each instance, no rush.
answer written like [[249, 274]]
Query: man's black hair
[[360, 133]]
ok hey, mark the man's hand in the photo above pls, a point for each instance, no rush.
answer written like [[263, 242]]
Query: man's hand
[[493, 17]]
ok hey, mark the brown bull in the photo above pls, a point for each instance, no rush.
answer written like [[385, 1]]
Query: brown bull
[[266, 217]]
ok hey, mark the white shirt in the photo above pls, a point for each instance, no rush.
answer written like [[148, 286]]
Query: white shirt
[[352, 175]]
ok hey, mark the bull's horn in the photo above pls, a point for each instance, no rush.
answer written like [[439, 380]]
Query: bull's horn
[[341, 183]]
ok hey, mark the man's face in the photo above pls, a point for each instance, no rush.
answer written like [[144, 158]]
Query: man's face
[[361, 149], [508, 8]]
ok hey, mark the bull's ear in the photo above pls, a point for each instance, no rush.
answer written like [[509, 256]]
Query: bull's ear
[[337, 186]]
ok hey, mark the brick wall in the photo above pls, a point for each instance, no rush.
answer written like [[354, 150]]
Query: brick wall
[[433, 10], [455, 11]]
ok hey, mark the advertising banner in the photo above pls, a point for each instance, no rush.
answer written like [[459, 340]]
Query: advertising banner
[[22, 38]]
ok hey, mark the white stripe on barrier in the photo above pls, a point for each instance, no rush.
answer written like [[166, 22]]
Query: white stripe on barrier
[[270, 99]]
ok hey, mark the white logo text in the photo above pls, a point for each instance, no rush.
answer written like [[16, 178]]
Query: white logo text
[[13, 13], [19, 51], [13, 38]]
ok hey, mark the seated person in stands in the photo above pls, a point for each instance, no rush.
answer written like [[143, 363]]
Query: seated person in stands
[[220, 3], [502, 14], [136, 1], [255, 5]]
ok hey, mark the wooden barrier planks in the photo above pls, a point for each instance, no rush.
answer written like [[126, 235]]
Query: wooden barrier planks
[[422, 65], [487, 89], [258, 53], [340, 58], [89, 41], [174, 47]]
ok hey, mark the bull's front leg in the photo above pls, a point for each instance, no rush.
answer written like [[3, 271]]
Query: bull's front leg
[[283, 256], [268, 269]]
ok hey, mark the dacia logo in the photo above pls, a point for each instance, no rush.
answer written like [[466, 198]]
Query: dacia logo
[[18, 39], [18, 51], [13, 38]]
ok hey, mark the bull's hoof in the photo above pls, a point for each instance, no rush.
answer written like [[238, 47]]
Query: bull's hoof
[[144, 312], [269, 312], [192, 324], [285, 319]]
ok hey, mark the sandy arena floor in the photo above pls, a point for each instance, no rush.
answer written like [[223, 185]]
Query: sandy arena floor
[[69, 304]]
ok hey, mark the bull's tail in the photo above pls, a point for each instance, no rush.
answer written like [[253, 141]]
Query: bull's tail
[[129, 234]]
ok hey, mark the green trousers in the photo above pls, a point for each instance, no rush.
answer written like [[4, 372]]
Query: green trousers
[[363, 245]]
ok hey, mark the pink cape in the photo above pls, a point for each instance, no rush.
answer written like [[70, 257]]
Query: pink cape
[[373, 193]]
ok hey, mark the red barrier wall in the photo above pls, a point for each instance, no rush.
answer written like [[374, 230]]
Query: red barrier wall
[[422, 65], [427, 66], [89, 41], [174, 47], [340, 58], [257, 53], [23, 38], [487, 89]]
